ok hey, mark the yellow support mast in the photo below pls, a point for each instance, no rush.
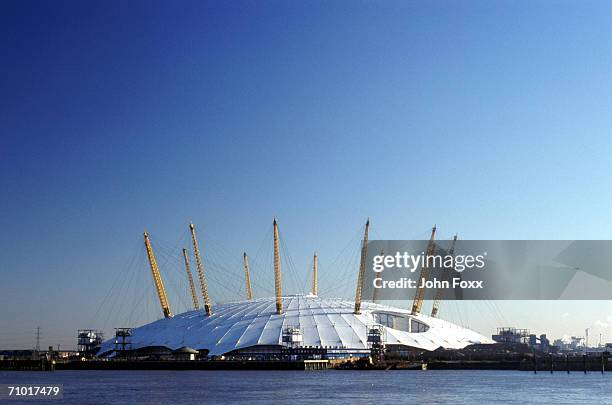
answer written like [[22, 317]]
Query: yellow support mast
[[420, 292], [438, 298], [278, 283], [362, 266], [194, 296], [315, 281], [159, 284], [247, 277], [200, 266]]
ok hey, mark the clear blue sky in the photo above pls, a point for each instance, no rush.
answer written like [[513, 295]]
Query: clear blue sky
[[491, 119]]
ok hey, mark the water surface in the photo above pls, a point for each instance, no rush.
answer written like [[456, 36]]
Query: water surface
[[326, 387]]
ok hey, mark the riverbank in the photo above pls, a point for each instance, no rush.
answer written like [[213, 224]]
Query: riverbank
[[545, 364]]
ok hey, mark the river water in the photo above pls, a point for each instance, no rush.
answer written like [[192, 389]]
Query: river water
[[326, 387]]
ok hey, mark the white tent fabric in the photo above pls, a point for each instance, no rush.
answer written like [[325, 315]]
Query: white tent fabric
[[324, 322]]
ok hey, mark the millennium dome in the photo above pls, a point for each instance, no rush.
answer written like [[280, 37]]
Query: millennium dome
[[256, 327], [263, 327]]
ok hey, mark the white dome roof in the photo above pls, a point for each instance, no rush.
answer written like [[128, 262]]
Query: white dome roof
[[323, 322]]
